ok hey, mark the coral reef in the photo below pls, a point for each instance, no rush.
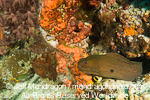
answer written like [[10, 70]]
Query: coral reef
[[113, 27], [95, 2], [110, 2], [80, 77], [69, 40], [134, 48], [55, 14], [129, 31], [45, 65], [18, 21], [87, 4], [71, 30], [17, 63], [3, 50], [50, 16], [133, 42], [2, 85], [38, 45], [74, 32], [119, 30], [106, 16]]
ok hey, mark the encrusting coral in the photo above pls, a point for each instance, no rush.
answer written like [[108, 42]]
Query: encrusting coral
[[55, 14], [74, 32], [129, 31], [50, 16], [57, 18]]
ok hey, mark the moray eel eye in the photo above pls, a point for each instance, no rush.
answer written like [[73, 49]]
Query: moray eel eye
[[86, 62], [111, 70]]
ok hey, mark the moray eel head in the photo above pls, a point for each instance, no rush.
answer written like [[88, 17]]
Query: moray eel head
[[86, 65]]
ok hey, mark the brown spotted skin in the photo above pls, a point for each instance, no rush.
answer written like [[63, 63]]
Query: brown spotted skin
[[111, 65]]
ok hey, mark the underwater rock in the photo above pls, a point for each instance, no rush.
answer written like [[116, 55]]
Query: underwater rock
[[7, 39], [134, 46], [3, 50], [111, 65], [19, 62], [45, 66], [106, 16], [40, 45], [2, 85]]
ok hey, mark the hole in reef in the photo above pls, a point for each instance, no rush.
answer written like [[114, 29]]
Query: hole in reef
[[23, 65]]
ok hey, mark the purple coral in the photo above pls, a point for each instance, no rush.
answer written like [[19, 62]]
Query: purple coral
[[19, 20]]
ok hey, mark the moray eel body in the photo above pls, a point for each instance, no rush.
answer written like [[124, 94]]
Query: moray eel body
[[111, 65]]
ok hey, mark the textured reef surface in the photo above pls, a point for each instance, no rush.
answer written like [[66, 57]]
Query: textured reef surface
[[74, 49]]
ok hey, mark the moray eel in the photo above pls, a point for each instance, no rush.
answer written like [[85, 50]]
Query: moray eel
[[111, 65]]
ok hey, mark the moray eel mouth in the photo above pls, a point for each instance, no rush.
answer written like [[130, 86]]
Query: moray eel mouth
[[88, 70]]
